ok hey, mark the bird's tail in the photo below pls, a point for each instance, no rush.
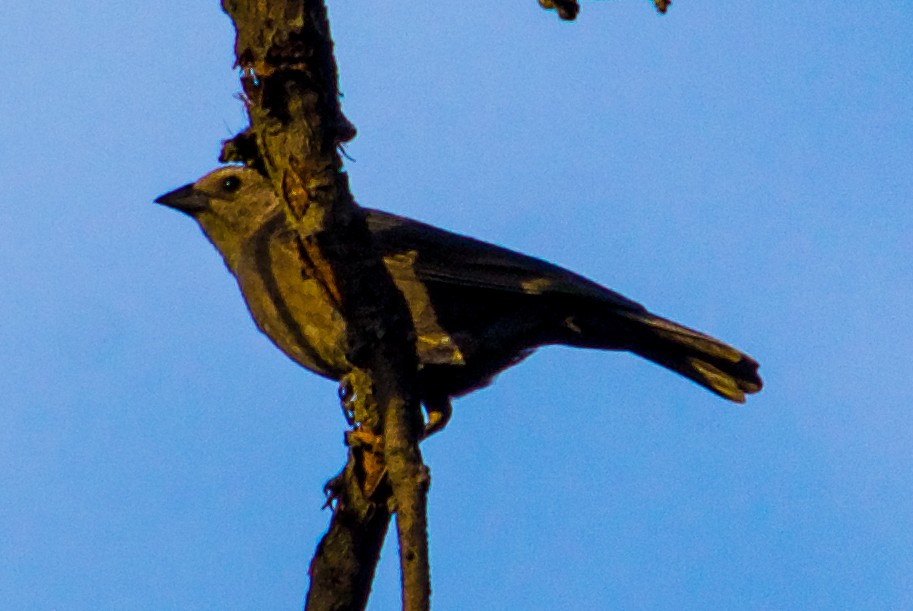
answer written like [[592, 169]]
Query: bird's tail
[[708, 361]]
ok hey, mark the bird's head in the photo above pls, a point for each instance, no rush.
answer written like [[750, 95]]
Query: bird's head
[[229, 204]]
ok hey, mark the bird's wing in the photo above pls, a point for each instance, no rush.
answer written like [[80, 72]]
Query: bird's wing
[[450, 258]]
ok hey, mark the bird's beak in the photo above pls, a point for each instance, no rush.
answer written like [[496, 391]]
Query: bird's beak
[[185, 199]]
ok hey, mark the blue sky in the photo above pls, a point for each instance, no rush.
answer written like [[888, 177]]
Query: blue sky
[[740, 167]]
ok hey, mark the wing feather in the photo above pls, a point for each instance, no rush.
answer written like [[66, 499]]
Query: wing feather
[[454, 259]]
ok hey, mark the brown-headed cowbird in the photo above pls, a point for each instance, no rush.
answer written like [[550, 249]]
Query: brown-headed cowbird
[[477, 308]]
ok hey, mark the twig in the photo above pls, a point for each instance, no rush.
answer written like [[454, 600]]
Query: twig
[[568, 9]]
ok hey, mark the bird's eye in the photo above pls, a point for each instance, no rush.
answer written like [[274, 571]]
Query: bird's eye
[[231, 184]]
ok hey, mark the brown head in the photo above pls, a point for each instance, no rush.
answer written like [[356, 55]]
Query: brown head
[[229, 204]]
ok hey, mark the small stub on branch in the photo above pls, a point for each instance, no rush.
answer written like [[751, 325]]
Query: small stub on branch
[[568, 9]]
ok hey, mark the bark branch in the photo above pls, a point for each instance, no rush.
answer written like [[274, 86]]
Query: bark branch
[[290, 82], [343, 565]]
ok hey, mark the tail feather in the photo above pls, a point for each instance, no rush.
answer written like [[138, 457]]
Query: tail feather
[[708, 361]]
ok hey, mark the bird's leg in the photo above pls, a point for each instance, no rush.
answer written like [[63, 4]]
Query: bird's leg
[[347, 399], [439, 411]]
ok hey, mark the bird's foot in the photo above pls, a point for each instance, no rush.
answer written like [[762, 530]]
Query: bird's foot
[[346, 392], [439, 413]]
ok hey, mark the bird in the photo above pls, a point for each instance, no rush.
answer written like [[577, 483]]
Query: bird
[[477, 308]]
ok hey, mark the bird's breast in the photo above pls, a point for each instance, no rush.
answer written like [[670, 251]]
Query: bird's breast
[[289, 305]]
